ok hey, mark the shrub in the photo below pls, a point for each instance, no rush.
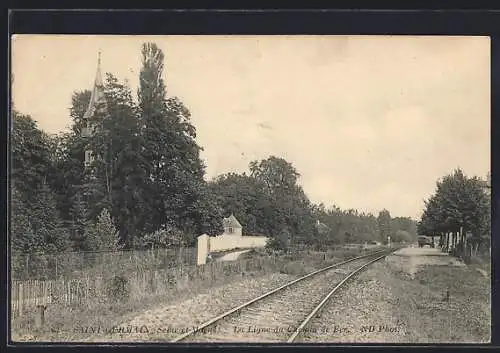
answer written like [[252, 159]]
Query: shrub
[[292, 268], [102, 235], [118, 287], [281, 242], [168, 236]]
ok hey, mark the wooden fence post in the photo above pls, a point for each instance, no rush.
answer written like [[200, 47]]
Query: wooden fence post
[[17, 300], [20, 298], [27, 266], [40, 316]]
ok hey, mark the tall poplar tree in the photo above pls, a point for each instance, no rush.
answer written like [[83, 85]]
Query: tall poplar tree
[[174, 171]]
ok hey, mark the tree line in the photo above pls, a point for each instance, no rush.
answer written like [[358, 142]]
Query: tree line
[[148, 187], [459, 212]]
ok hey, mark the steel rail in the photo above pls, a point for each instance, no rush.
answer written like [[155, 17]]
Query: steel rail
[[327, 297], [267, 294]]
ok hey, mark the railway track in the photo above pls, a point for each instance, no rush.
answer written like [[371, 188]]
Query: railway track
[[284, 313]]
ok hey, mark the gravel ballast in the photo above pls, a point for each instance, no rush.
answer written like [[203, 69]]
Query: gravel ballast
[[400, 299], [389, 303], [167, 321]]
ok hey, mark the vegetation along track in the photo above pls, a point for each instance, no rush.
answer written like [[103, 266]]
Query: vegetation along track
[[281, 314]]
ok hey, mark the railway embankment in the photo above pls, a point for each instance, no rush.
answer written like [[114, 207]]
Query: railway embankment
[[118, 318], [414, 296]]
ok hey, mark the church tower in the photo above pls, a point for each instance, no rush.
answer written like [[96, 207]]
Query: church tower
[[97, 104]]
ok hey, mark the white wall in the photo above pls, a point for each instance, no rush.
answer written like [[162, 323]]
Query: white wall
[[203, 248], [227, 242], [236, 232], [223, 242]]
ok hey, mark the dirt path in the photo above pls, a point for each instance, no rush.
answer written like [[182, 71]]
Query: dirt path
[[413, 259], [232, 256]]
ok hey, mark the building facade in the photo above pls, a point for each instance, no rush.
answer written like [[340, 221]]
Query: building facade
[[97, 105], [232, 226]]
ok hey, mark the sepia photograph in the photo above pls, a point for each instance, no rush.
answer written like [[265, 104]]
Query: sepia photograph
[[250, 189]]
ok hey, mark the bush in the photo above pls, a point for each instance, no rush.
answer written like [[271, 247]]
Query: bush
[[292, 268], [281, 242], [167, 236], [118, 287], [102, 235]]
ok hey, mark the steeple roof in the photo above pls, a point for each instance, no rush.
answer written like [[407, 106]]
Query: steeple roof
[[97, 96], [232, 222]]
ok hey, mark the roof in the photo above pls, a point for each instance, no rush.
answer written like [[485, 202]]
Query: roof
[[97, 95], [321, 227], [231, 221]]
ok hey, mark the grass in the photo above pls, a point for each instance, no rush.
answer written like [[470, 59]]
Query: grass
[[64, 323], [444, 304]]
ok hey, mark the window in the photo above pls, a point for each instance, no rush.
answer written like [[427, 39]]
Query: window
[[88, 157], [230, 230]]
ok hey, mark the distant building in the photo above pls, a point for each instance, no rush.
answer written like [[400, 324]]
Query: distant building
[[232, 226], [321, 227], [97, 104]]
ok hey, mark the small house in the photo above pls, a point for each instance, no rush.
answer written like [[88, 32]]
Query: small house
[[232, 226]]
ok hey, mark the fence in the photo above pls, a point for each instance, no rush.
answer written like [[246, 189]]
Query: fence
[[471, 247], [147, 273], [81, 264], [88, 291]]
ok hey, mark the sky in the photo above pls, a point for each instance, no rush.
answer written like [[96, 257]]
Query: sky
[[370, 122]]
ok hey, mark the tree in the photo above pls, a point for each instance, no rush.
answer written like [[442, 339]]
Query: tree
[[79, 103], [102, 236], [460, 205], [405, 225], [433, 221], [165, 237], [23, 239], [69, 179], [31, 159], [401, 236], [124, 173], [68, 171], [115, 179], [173, 168], [292, 208], [78, 223], [245, 197], [206, 214], [384, 224], [48, 228], [277, 174], [281, 241]]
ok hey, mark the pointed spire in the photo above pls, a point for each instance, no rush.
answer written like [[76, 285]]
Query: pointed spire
[[97, 99], [98, 76], [97, 96]]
